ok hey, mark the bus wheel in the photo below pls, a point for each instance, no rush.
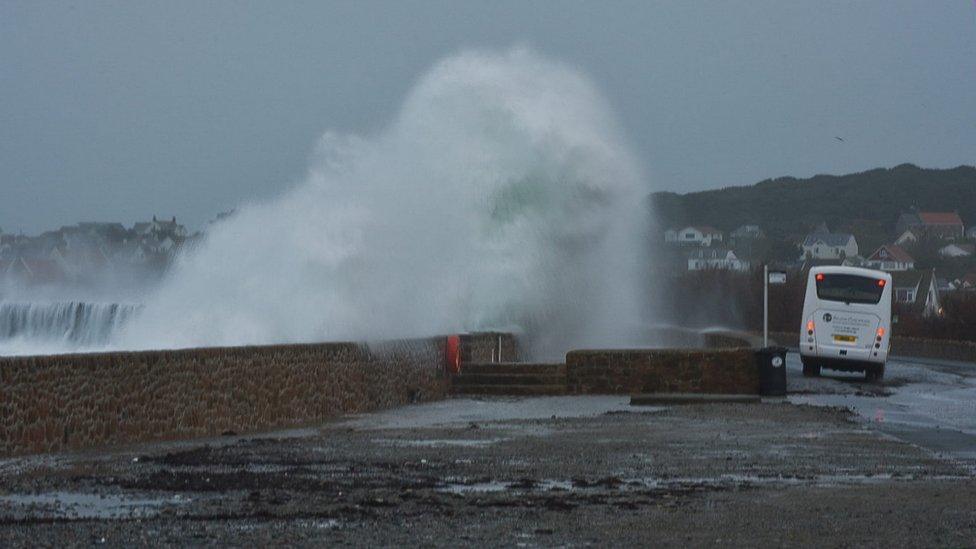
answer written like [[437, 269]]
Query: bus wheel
[[875, 373], [810, 369]]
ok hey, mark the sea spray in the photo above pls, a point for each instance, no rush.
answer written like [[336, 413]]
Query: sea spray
[[502, 196]]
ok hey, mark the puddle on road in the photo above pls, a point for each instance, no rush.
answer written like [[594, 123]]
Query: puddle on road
[[461, 487], [439, 443], [247, 526], [500, 486], [89, 506]]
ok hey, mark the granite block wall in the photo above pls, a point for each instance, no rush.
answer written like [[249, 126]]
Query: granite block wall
[[61, 402], [727, 371]]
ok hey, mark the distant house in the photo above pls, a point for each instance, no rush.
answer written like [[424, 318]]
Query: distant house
[[957, 250], [966, 282], [36, 271], [917, 289], [42, 244], [943, 225], [748, 231], [908, 237], [971, 233], [82, 262], [694, 236], [715, 259], [890, 258], [167, 244], [131, 253], [161, 228], [11, 245], [821, 244]]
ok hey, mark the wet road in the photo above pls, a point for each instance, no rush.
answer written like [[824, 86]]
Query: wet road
[[931, 403], [543, 471]]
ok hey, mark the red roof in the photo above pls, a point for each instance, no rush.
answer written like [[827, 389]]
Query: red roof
[[895, 253], [940, 218]]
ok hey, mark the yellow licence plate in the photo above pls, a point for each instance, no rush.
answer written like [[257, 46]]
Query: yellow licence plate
[[845, 339]]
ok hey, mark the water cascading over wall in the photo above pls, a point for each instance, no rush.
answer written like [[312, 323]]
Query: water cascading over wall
[[44, 327]]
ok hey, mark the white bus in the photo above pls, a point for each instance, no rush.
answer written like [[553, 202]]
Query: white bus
[[846, 321]]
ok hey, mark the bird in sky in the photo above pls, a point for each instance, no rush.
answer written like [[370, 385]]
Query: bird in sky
[[841, 139]]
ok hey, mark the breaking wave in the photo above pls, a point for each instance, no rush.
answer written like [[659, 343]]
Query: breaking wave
[[501, 196]]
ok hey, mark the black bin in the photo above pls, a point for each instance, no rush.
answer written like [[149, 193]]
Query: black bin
[[772, 371]]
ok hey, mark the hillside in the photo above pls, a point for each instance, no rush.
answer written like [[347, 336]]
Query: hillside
[[866, 203]]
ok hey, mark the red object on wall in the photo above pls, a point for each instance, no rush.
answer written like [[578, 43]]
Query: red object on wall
[[454, 354]]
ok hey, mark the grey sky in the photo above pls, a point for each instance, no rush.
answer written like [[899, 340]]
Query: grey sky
[[118, 110]]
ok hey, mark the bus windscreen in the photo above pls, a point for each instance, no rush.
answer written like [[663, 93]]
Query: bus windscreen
[[849, 288]]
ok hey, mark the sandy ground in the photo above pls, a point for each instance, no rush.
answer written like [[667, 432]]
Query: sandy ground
[[525, 472]]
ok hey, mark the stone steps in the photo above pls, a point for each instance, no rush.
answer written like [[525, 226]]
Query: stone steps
[[510, 379], [513, 368], [512, 390]]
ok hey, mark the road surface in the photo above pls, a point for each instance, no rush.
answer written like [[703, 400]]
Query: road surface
[[840, 462], [928, 402]]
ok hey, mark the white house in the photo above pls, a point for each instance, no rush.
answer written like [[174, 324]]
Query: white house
[[715, 259], [957, 250], [694, 236], [890, 258], [824, 245], [918, 289], [167, 244], [748, 231], [161, 228], [909, 236]]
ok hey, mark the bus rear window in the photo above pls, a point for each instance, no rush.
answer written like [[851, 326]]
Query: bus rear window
[[849, 288]]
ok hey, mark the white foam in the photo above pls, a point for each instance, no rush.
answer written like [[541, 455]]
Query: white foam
[[502, 196]]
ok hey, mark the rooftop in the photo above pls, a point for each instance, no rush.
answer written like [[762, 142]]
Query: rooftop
[[896, 253], [940, 218], [830, 239]]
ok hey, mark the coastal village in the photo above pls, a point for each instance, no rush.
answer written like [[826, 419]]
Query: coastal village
[[86, 253], [929, 254]]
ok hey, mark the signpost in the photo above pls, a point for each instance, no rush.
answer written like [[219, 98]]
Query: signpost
[[774, 277]]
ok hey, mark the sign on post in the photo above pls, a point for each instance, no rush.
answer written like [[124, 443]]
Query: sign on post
[[769, 277]]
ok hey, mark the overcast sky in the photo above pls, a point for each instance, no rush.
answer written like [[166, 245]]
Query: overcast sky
[[119, 110]]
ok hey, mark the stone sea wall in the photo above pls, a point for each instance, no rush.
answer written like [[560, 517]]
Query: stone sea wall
[[63, 402], [724, 371], [69, 402]]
